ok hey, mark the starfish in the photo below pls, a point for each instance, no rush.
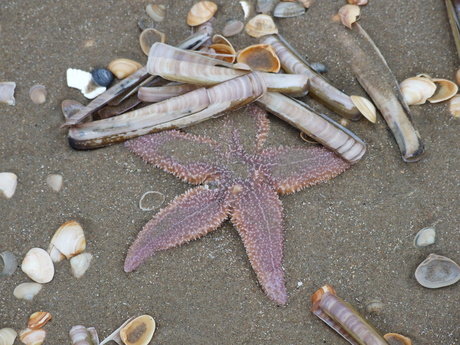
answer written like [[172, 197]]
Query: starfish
[[238, 179]]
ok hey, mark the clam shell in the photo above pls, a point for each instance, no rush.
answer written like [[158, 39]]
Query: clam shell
[[417, 90], [307, 3], [38, 319], [247, 8], [9, 263], [122, 68], [54, 181], [445, 90], [265, 6], [397, 339], [8, 183], [80, 264], [138, 331], [349, 14], [80, 335], [7, 92], [69, 239], [437, 271], [77, 78], [32, 336], [27, 291], [7, 336], [425, 237], [102, 77], [288, 9], [261, 25], [201, 12], [260, 57], [228, 53], [454, 106], [232, 27], [156, 11], [37, 264], [150, 36], [37, 94], [365, 107]]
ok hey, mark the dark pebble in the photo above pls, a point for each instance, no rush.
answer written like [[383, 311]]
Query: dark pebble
[[102, 77]]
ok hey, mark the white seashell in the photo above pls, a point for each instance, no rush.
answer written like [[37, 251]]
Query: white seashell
[[265, 6], [201, 12], [158, 198], [37, 94], [247, 8], [80, 335], [54, 181], [55, 254], [80, 264], [9, 263], [156, 11], [288, 10], [138, 331], [32, 336], [8, 183], [454, 106], [349, 14], [27, 291], [425, 237], [7, 92], [445, 89], [232, 27], [365, 107], [69, 239], [83, 81], [7, 336], [37, 264], [417, 90], [437, 271], [38, 319]]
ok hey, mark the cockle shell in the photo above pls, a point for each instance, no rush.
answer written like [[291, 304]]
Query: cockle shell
[[425, 237], [8, 183], [38, 319], [138, 331], [69, 239], [80, 335], [150, 36], [9, 263], [201, 12], [397, 339], [32, 336], [349, 14], [260, 57], [445, 89], [7, 336], [80, 264], [156, 11], [288, 9], [37, 94], [232, 27], [261, 25], [437, 271], [122, 68], [27, 291], [417, 90], [365, 107], [454, 106], [7, 92], [37, 264]]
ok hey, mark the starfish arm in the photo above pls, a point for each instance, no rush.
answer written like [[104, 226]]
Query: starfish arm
[[293, 168], [190, 216], [189, 157], [257, 214]]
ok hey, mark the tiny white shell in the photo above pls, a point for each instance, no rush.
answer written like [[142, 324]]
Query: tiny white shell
[[69, 239], [437, 271], [80, 335], [8, 183], [80, 264], [454, 106], [9, 263], [32, 336], [425, 237], [37, 94], [156, 11], [37, 264], [7, 336], [54, 181], [27, 291], [417, 90], [7, 92]]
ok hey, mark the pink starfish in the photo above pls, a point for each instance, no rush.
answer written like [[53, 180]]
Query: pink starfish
[[239, 180]]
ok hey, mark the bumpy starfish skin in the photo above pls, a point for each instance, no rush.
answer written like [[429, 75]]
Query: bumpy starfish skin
[[241, 180]]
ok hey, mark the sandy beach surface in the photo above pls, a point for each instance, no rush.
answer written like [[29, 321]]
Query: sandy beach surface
[[354, 232]]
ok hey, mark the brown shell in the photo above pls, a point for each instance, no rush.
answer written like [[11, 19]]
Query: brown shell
[[122, 68], [38, 319], [220, 48], [260, 57], [201, 12], [397, 339]]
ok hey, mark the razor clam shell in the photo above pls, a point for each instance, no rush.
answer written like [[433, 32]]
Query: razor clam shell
[[320, 88], [322, 129], [7, 92], [161, 93], [374, 75], [10, 263], [178, 112], [453, 16]]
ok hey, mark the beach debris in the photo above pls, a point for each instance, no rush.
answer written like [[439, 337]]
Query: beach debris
[[454, 106], [232, 27], [416, 90], [288, 9], [261, 25], [55, 181], [122, 68], [365, 107], [8, 183], [397, 339], [260, 57], [68, 241], [343, 318], [445, 90], [150, 36], [138, 331], [349, 14], [7, 92], [38, 319], [37, 264], [27, 291], [102, 77], [201, 12], [247, 8], [70, 107], [10, 263], [156, 11], [319, 67], [32, 336], [80, 264], [374, 306], [157, 203], [83, 81], [37, 94], [425, 237], [80, 335], [7, 336], [437, 271]]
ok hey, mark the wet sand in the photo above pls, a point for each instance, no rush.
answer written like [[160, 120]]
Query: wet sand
[[354, 232]]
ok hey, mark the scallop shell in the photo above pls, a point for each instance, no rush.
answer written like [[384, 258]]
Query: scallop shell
[[201, 12], [138, 331], [437, 271], [7, 336], [232, 27], [7, 92], [27, 291], [69, 239], [9, 263], [260, 57], [288, 9], [445, 90], [261, 25], [150, 36], [454, 106], [397, 339], [122, 68], [357, 2], [37, 94], [417, 90], [102, 77], [32, 336], [349, 14], [425, 237], [156, 11], [365, 107], [38, 319], [8, 183], [80, 264], [37, 264]]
